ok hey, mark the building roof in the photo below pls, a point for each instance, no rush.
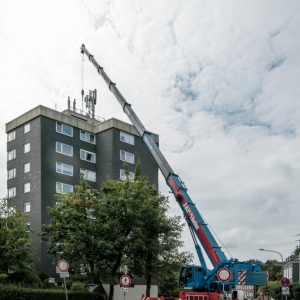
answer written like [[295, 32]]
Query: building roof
[[74, 118]]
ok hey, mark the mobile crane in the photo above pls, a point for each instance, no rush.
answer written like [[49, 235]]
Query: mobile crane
[[198, 278]]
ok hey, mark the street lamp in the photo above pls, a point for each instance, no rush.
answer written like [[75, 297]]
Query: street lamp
[[281, 262]]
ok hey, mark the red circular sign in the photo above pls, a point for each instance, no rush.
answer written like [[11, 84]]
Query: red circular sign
[[224, 274], [285, 281], [125, 280], [63, 265]]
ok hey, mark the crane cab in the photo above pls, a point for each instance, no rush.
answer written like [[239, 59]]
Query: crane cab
[[191, 277]]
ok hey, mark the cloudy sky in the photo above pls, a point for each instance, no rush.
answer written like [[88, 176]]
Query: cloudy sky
[[217, 80]]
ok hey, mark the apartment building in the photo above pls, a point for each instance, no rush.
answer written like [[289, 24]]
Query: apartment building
[[46, 152]]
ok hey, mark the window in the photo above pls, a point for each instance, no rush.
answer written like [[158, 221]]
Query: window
[[26, 147], [11, 173], [28, 225], [12, 192], [27, 207], [64, 128], [126, 137], [27, 187], [123, 176], [27, 167], [64, 168], [63, 187], [88, 175], [89, 156], [64, 149], [11, 154], [11, 136], [26, 128], [126, 156], [88, 137]]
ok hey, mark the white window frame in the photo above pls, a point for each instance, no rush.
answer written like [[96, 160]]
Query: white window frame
[[62, 128], [11, 136], [123, 176], [27, 187], [11, 192], [26, 128], [61, 147], [86, 136], [85, 153], [26, 167], [62, 168], [27, 147], [86, 174], [27, 207], [126, 156], [12, 154], [126, 137], [60, 187], [11, 173]]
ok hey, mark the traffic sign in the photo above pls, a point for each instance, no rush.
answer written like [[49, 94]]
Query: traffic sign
[[224, 274], [63, 265], [64, 275], [125, 280], [125, 290], [285, 290], [285, 281]]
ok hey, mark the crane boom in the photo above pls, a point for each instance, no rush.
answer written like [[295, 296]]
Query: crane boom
[[195, 221]]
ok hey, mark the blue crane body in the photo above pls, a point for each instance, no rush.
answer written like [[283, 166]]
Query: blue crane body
[[198, 278]]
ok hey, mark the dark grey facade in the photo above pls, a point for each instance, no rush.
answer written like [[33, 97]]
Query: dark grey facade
[[291, 268], [32, 189]]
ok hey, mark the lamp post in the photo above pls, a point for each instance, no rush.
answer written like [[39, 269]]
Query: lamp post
[[281, 263]]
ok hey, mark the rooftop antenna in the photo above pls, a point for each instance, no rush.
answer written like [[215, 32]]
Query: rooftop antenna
[[90, 102]]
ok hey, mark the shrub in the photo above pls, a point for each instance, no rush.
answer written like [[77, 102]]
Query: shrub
[[15, 292], [26, 277], [78, 287]]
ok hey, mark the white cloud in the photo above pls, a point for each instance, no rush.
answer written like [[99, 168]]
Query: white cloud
[[217, 81]]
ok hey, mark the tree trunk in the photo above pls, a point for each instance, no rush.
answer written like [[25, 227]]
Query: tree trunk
[[111, 292], [148, 280], [101, 289]]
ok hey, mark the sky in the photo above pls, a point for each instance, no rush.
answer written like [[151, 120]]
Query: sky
[[218, 81]]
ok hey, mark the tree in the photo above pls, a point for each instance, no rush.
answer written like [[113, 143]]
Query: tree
[[296, 251], [102, 234], [74, 233], [155, 239], [15, 250], [274, 268]]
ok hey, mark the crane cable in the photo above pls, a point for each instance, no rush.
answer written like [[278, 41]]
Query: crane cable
[[82, 78]]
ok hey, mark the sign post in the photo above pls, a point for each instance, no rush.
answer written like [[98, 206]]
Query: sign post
[[125, 282], [224, 275], [63, 267], [285, 282]]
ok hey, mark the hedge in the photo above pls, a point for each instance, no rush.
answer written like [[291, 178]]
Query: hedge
[[14, 292]]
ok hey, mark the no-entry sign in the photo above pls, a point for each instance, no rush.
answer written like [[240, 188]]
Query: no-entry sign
[[224, 274], [63, 265]]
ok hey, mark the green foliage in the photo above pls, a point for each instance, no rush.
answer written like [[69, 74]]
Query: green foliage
[[25, 277], [14, 292], [296, 251], [296, 290], [3, 278], [44, 276], [275, 290], [15, 250], [274, 269], [78, 287], [128, 225]]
